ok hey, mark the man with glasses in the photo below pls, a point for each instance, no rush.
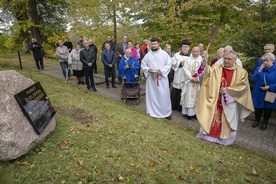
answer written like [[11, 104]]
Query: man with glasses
[[223, 100]]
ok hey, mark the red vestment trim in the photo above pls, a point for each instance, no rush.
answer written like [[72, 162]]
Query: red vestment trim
[[216, 127]]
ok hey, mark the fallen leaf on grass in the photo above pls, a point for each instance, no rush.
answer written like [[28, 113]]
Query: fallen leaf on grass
[[22, 163], [30, 166], [64, 144], [71, 130], [81, 162], [121, 178], [100, 172], [254, 171], [192, 168], [152, 169], [152, 164]]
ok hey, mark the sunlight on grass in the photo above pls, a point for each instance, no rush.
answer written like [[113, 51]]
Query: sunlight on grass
[[98, 140]]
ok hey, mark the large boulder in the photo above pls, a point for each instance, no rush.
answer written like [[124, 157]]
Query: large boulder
[[17, 135]]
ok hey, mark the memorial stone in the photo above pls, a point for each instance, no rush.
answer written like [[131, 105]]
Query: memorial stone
[[36, 106], [17, 135]]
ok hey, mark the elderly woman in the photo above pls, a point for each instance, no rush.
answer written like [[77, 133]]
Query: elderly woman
[[128, 67], [265, 80], [77, 66], [220, 53], [62, 55]]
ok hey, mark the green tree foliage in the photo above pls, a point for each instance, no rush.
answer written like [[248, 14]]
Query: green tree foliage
[[247, 25], [97, 18], [260, 28], [174, 20], [35, 18]]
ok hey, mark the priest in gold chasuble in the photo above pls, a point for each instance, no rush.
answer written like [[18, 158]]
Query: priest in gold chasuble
[[223, 100]]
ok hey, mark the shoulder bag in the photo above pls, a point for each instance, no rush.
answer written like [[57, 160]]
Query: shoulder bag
[[269, 96]]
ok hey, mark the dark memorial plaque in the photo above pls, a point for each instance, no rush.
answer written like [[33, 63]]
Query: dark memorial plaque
[[36, 106]]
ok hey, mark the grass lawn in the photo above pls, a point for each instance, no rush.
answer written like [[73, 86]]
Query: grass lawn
[[98, 140]]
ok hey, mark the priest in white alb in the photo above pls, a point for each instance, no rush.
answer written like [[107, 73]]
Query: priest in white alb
[[156, 66]]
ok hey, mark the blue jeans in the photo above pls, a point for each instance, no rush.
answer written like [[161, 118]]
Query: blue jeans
[[89, 78], [64, 66]]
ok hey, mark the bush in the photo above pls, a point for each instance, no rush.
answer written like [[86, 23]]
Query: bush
[[9, 44]]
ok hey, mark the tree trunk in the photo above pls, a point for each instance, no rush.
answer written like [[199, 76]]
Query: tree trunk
[[34, 18], [23, 33], [114, 24], [25, 43]]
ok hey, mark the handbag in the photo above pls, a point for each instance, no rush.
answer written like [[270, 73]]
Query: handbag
[[269, 96]]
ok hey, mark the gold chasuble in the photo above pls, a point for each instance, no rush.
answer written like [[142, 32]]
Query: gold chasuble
[[209, 99]]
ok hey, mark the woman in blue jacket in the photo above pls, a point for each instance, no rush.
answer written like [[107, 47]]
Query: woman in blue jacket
[[128, 67], [265, 79]]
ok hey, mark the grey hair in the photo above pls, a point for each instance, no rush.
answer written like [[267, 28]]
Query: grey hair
[[231, 48], [231, 52], [268, 56], [129, 51], [269, 44], [220, 49]]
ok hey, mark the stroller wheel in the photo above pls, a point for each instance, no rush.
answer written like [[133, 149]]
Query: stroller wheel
[[125, 100], [138, 101]]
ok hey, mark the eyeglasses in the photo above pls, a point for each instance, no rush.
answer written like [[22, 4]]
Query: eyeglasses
[[228, 59]]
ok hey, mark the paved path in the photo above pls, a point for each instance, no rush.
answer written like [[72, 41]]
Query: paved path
[[256, 139]]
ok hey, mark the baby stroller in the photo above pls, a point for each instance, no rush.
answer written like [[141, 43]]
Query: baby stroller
[[131, 90]]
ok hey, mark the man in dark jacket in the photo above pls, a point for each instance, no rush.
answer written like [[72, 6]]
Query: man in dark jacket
[[87, 57], [111, 43], [37, 53], [108, 59], [95, 50], [80, 42]]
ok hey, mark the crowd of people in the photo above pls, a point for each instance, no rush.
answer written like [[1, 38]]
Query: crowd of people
[[217, 95]]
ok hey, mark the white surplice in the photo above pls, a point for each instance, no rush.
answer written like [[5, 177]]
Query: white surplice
[[190, 89], [178, 71], [158, 102]]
